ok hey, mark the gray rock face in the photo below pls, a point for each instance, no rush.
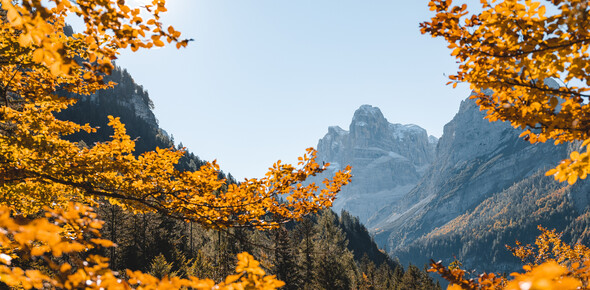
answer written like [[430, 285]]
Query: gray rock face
[[387, 160], [474, 160], [142, 110]]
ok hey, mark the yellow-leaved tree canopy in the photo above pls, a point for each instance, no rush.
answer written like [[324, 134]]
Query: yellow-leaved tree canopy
[[512, 52], [511, 48], [40, 171]]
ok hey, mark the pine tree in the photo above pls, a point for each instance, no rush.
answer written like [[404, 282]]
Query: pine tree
[[411, 280], [161, 268], [333, 263], [305, 231], [285, 260]]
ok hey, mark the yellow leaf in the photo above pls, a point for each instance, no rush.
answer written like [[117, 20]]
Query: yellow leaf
[[65, 267], [541, 11], [572, 179], [25, 39], [38, 55]]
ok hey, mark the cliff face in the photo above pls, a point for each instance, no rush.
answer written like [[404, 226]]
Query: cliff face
[[387, 160], [126, 93], [485, 188], [126, 100], [474, 159]]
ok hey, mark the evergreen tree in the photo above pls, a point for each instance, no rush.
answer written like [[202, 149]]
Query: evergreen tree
[[285, 260], [305, 231], [411, 280], [334, 263], [161, 268]]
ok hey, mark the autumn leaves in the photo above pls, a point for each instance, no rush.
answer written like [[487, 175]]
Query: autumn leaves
[[109, 27], [511, 47], [40, 171]]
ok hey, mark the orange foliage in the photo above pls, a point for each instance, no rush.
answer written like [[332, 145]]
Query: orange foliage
[[550, 264], [61, 240], [41, 171], [38, 167], [508, 51], [110, 26]]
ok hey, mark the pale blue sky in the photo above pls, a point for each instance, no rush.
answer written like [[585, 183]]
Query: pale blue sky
[[264, 79]]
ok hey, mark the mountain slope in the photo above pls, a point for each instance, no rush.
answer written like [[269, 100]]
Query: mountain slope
[[478, 237], [131, 103], [486, 188]]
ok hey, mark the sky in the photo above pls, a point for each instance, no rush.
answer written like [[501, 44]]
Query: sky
[[263, 79]]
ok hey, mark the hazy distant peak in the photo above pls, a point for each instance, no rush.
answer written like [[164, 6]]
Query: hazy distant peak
[[369, 108], [336, 130], [387, 160], [432, 139], [365, 112], [400, 131], [407, 127]]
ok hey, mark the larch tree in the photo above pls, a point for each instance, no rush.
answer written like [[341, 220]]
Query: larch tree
[[528, 64], [40, 171]]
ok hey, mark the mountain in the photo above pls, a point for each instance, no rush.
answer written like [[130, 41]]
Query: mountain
[[126, 100], [387, 160], [485, 188]]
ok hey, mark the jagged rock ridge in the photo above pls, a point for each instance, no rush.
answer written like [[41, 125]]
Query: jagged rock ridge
[[387, 160], [485, 188], [474, 159]]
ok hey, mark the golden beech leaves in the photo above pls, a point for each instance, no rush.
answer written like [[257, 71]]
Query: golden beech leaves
[[513, 54], [74, 231], [549, 264], [41, 172], [109, 26], [510, 53], [549, 275], [38, 167]]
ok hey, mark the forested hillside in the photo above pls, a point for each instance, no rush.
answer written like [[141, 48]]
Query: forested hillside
[[130, 102], [480, 235], [321, 252]]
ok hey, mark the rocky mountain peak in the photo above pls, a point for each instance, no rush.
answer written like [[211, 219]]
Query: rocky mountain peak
[[387, 159], [432, 140], [368, 127], [469, 135], [336, 131], [475, 160], [367, 114]]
